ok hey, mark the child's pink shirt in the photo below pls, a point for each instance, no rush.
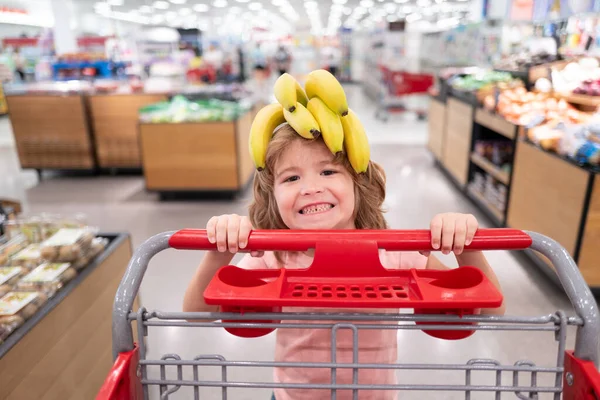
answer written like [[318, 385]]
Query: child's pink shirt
[[314, 345]]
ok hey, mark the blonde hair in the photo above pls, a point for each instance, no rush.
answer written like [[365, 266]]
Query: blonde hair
[[369, 188]]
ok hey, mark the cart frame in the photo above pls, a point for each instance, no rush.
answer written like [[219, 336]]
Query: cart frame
[[396, 86], [575, 373]]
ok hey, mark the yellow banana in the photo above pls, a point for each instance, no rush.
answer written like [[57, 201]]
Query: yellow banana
[[285, 91], [261, 131], [330, 124], [303, 122], [301, 95], [355, 142], [322, 84]]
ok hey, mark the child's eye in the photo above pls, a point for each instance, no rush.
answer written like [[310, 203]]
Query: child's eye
[[292, 178], [328, 172]]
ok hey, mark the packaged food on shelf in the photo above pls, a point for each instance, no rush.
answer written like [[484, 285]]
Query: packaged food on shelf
[[98, 245], [68, 244], [9, 277], [17, 307], [30, 257], [12, 247], [48, 278]]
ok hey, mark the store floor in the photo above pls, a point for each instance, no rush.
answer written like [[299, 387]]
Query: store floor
[[417, 190]]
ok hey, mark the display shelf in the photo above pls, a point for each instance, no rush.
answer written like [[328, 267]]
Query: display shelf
[[489, 208], [490, 168], [495, 123], [64, 351], [583, 100]]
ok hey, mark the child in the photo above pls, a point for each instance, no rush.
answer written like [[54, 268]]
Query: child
[[304, 186]]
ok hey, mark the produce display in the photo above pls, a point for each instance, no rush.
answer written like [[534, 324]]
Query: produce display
[[179, 109], [524, 60], [320, 111], [41, 254], [481, 79], [579, 77], [526, 108]]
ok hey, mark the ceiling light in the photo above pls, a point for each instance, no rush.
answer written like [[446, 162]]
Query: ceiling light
[[235, 10], [184, 11], [201, 7], [254, 6], [242, 1], [102, 7], [366, 3], [220, 3], [311, 4], [401, 1], [178, 1], [161, 5], [278, 2], [157, 19], [115, 2], [145, 9]]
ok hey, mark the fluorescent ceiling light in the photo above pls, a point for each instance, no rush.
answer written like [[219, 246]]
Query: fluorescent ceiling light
[[201, 7], [366, 3], [413, 17], [178, 1], [401, 1], [242, 1], [185, 10], [161, 5], [145, 9], [115, 2], [340, 1], [220, 3], [254, 6]]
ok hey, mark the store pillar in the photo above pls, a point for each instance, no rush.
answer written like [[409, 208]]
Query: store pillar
[[64, 36]]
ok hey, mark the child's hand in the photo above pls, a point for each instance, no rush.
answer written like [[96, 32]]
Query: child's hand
[[453, 232], [230, 233]]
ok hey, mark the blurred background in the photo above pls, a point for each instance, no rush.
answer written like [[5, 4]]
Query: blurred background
[[121, 119]]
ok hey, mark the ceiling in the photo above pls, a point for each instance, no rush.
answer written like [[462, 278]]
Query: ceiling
[[318, 16]]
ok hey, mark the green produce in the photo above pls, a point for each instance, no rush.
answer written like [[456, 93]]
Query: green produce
[[179, 109]]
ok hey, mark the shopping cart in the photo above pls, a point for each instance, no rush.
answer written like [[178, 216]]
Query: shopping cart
[[574, 374], [396, 87]]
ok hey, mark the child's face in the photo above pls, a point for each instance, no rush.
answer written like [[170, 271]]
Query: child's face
[[311, 191]]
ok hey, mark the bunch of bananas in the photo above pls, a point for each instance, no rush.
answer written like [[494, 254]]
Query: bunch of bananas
[[321, 110]]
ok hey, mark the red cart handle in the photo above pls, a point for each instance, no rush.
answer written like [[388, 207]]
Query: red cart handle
[[388, 239]]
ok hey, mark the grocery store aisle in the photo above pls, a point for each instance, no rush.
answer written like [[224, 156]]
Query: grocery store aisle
[[417, 190]]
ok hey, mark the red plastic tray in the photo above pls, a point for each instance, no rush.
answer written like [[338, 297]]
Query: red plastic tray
[[462, 288]]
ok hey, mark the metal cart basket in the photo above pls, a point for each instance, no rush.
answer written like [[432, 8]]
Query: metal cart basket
[[574, 376]]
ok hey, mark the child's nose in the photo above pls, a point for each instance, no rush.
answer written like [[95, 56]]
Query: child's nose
[[311, 188]]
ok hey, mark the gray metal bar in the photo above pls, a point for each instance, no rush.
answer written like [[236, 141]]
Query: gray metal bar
[[588, 335], [258, 325], [328, 386], [562, 344], [142, 333], [341, 317], [273, 364], [122, 333]]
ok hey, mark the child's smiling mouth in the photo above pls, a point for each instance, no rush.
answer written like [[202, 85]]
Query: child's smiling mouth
[[316, 208]]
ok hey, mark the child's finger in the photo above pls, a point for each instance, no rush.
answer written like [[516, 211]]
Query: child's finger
[[436, 231], [210, 229], [447, 235], [472, 226], [221, 233], [460, 235], [233, 233], [257, 253], [245, 228], [425, 253]]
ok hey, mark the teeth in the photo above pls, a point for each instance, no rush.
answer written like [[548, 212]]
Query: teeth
[[317, 208]]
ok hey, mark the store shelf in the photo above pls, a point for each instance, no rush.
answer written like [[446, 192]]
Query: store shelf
[[487, 206], [490, 168], [581, 99], [495, 123]]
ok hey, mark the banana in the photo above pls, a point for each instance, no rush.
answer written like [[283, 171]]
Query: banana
[[330, 124], [303, 122], [261, 131], [355, 142], [285, 90], [322, 84], [301, 95]]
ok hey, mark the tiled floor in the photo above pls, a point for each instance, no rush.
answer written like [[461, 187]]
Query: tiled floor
[[416, 191]]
